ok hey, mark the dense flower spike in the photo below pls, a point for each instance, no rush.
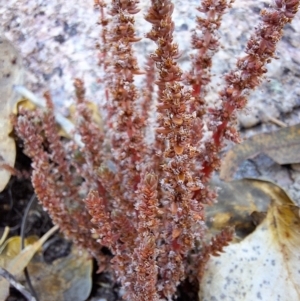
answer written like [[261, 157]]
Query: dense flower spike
[[248, 74], [175, 123], [126, 132], [214, 248], [54, 181], [205, 41], [146, 250], [144, 197]]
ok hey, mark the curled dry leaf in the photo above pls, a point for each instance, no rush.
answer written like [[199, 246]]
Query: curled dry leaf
[[241, 205], [67, 278], [12, 246], [31, 101], [14, 260], [263, 266], [96, 117], [11, 73], [283, 146]]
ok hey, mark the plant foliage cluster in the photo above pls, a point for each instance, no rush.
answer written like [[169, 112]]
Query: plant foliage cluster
[[139, 197]]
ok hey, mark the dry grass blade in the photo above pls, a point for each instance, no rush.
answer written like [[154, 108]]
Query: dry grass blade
[[4, 235]]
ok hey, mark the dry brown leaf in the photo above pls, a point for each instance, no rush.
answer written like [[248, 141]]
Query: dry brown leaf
[[241, 204], [283, 146], [11, 73], [67, 278], [96, 117], [16, 264], [263, 266], [23, 103], [29, 101], [12, 246]]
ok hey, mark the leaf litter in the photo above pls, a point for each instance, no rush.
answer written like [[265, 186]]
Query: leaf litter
[[265, 264], [67, 278], [11, 73], [283, 146]]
